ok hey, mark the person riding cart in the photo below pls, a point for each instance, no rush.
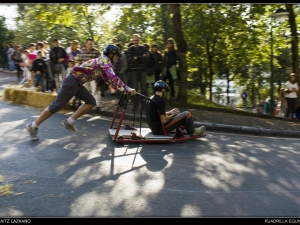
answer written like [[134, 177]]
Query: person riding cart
[[157, 116]]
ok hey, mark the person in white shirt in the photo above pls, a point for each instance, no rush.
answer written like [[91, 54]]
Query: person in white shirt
[[68, 49], [10, 53], [71, 65], [232, 104], [291, 91], [25, 66]]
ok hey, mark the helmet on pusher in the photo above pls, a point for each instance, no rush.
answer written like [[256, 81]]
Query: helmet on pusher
[[111, 49], [160, 84]]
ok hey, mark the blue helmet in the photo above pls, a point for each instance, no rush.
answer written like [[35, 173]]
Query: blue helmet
[[111, 49], [160, 84]]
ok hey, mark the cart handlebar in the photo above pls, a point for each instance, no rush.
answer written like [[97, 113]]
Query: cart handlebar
[[145, 97]]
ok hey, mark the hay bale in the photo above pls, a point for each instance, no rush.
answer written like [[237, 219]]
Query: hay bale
[[30, 97], [39, 99], [7, 94], [19, 96]]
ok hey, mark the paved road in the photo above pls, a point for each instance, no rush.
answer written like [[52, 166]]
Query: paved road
[[88, 175]]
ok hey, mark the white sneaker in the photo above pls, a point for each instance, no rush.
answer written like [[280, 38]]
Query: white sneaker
[[200, 130], [32, 132], [68, 126]]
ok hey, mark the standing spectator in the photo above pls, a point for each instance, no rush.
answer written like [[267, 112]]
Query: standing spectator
[[120, 67], [40, 47], [4, 59], [10, 52], [223, 102], [39, 68], [68, 49], [87, 53], [127, 72], [282, 101], [71, 65], [291, 91], [232, 104], [244, 97], [17, 58], [74, 51], [136, 57], [32, 57], [169, 64], [57, 59], [149, 67], [32, 48], [25, 66], [157, 56], [46, 46], [50, 81]]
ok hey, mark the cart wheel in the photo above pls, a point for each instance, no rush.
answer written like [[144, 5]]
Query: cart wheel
[[135, 137], [120, 137]]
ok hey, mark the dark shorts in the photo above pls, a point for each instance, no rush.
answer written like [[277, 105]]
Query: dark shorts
[[71, 87]]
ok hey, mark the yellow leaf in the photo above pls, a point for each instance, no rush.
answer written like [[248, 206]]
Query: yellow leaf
[[5, 190], [29, 181]]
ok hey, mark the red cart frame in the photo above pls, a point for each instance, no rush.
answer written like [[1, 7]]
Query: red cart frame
[[131, 134]]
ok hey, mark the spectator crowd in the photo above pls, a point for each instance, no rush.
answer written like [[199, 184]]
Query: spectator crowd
[[42, 66]]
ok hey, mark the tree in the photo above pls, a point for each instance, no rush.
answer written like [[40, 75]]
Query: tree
[[74, 21], [294, 39], [182, 50], [294, 42], [6, 34]]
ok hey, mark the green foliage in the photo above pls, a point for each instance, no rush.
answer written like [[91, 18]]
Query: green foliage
[[64, 21], [233, 40], [6, 34]]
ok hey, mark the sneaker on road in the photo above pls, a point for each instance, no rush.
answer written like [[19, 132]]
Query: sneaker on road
[[68, 126], [200, 130], [32, 132]]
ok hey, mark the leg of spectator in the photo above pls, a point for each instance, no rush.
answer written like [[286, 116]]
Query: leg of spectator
[[57, 82], [36, 80], [95, 92], [43, 84], [134, 82]]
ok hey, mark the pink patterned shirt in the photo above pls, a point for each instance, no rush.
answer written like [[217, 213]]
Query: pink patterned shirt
[[94, 68]]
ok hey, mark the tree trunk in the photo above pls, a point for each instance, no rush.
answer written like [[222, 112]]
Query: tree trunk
[[182, 50], [209, 57], [294, 42], [165, 19]]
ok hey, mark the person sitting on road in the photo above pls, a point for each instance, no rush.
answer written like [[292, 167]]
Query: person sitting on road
[[171, 119], [72, 85]]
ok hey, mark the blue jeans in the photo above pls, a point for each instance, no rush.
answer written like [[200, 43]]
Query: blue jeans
[[39, 78], [11, 63]]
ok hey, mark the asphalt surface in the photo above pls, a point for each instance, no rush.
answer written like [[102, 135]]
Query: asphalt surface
[[89, 175]]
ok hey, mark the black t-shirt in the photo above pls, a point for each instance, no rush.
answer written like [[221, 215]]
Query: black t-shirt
[[39, 65], [153, 116]]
